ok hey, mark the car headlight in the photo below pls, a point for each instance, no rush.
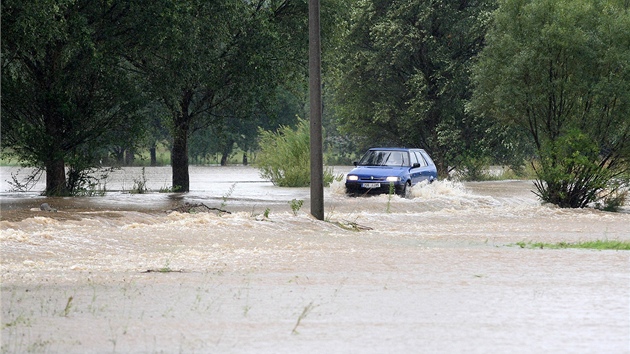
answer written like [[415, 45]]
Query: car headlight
[[392, 179], [353, 178]]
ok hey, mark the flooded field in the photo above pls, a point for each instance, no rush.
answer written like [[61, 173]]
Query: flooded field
[[439, 272]]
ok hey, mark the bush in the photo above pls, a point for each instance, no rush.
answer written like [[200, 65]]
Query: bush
[[571, 174], [285, 156]]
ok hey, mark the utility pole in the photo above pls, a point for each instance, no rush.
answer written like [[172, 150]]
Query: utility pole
[[315, 88]]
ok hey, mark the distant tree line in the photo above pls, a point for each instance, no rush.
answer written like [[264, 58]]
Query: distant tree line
[[473, 82]]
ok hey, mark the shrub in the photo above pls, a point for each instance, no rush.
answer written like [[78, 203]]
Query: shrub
[[284, 157], [571, 173]]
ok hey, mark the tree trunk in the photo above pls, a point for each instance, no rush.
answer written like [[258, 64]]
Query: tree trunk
[[119, 155], [129, 157], [56, 178], [227, 150], [224, 158], [153, 153], [179, 151], [56, 184], [179, 161]]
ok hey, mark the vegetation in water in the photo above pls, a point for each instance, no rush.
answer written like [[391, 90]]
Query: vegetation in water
[[284, 156], [596, 245]]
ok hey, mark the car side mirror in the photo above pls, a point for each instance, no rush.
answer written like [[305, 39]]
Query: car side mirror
[[415, 165]]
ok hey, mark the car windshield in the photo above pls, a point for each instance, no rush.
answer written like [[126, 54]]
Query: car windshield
[[384, 158]]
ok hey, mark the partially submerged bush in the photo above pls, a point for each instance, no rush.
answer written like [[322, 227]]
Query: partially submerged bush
[[573, 173], [284, 157]]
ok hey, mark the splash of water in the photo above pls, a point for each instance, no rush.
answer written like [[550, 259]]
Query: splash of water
[[439, 189]]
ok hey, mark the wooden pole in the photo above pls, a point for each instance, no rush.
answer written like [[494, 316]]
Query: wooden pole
[[315, 88]]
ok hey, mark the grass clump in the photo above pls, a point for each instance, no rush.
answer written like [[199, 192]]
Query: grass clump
[[595, 245], [140, 184], [390, 194], [296, 205], [227, 196]]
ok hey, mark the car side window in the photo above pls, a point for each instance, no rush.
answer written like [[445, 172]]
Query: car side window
[[414, 158], [421, 159]]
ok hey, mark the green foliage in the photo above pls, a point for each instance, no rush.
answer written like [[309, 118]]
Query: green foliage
[[571, 171], [404, 77], [552, 68], [87, 181], [226, 135], [65, 95], [76, 76], [284, 156], [93, 190], [140, 184], [296, 205], [227, 195], [214, 63], [473, 169], [596, 245], [390, 195]]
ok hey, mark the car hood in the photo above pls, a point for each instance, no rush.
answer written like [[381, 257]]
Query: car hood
[[378, 171]]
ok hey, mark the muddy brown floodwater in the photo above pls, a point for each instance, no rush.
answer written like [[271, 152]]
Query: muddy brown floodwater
[[438, 273]]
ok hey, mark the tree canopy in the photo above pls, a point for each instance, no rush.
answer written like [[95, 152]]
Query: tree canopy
[[405, 75]]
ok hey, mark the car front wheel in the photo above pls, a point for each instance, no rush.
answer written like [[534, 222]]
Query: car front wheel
[[405, 191]]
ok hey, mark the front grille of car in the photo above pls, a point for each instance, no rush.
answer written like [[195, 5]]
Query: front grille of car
[[371, 178]]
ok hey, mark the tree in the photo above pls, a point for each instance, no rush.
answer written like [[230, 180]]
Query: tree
[[64, 92], [208, 61], [560, 70], [405, 76]]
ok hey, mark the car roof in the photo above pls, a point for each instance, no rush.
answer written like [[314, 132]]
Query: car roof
[[394, 148]]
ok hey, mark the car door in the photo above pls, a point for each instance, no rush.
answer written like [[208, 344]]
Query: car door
[[415, 171], [422, 171]]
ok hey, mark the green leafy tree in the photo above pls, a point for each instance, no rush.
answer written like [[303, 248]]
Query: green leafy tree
[[211, 61], [560, 70], [64, 90], [404, 76]]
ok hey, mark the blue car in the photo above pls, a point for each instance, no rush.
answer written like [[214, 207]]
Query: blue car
[[380, 169]]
